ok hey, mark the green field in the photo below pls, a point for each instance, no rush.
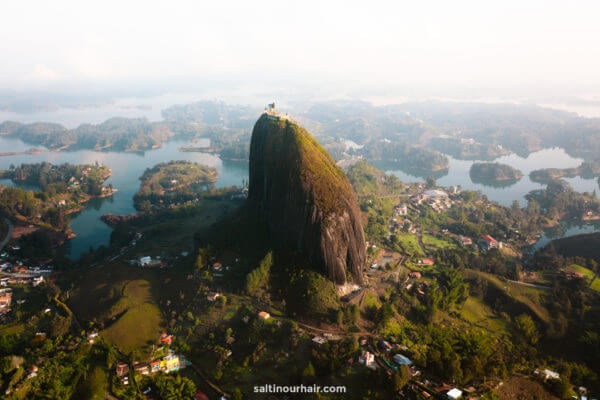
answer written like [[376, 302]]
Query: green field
[[432, 241], [136, 317], [124, 299], [596, 285], [136, 329], [410, 244], [525, 296], [478, 313], [415, 266], [590, 276]]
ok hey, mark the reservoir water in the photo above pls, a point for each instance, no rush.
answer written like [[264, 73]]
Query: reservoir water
[[128, 167], [458, 174], [126, 170]]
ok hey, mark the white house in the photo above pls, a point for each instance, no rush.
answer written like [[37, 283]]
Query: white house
[[454, 394], [144, 260]]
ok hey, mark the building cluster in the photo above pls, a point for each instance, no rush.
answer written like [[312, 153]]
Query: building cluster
[[13, 272], [149, 262], [170, 363], [437, 199], [572, 275]]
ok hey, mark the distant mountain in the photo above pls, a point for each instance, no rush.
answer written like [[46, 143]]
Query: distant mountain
[[116, 134], [305, 200]]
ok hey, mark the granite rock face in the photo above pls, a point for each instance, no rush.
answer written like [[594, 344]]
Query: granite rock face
[[305, 200]]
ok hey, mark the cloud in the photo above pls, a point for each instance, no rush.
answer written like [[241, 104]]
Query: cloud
[[43, 73]]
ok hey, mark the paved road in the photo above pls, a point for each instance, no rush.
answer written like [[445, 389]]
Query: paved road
[[530, 284], [8, 234]]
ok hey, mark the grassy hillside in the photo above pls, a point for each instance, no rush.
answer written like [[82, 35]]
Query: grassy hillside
[[590, 277], [477, 313], [523, 298]]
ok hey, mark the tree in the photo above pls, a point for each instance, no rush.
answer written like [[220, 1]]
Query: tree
[[456, 290], [222, 301], [308, 374], [515, 206], [354, 313], [237, 394], [339, 318], [526, 327], [60, 326], [258, 279], [145, 206], [202, 258], [174, 388], [430, 182], [400, 378]]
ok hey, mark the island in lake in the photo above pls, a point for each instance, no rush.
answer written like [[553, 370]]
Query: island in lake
[[494, 174], [60, 190], [173, 183], [587, 170]]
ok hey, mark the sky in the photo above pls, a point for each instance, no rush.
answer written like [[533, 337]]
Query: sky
[[504, 45]]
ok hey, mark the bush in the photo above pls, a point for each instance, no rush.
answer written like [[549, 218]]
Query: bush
[[310, 293]]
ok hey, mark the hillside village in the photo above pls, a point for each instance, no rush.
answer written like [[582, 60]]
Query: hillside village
[[404, 265]]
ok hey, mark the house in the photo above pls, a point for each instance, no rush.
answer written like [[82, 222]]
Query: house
[[32, 371], [415, 275], [427, 261], [213, 296], [122, 369], [319, 340], [147, 261], [435, 194], [92, 336], [200, 396], [264, 315], [143, 261], [454, 394], [141, 368], [401, 209], [546, 374], [217, 266], [367, 359], [170, 363], [385, 346], [37, 280], [465, 241], [155, 366], [19, 269], [487, 242], [5, 300], [572, 275], [401, 360], [166, 339]]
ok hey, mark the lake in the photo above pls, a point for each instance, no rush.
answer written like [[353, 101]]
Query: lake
[[126, 170], [566, 229], [128, 167], [458, 174]]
